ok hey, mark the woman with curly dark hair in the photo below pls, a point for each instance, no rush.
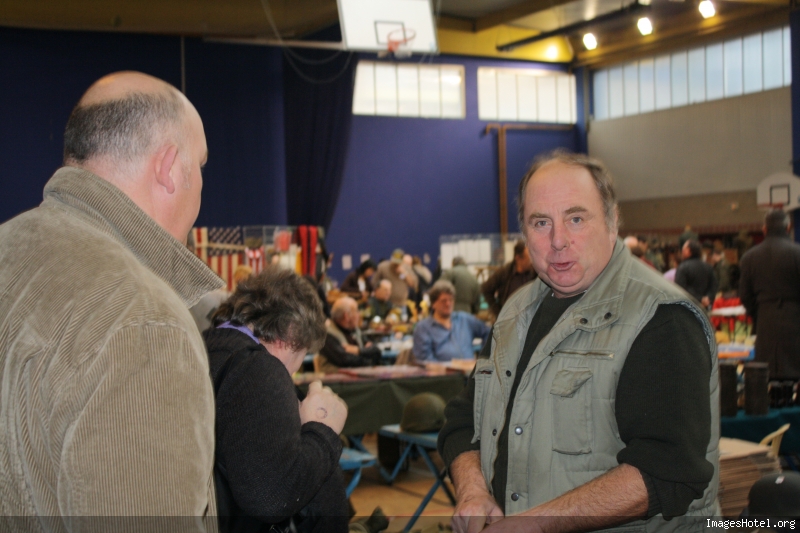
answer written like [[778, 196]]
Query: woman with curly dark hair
[[277, 453]]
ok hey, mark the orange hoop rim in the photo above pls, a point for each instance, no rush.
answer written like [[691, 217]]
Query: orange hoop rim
[[394, 44]]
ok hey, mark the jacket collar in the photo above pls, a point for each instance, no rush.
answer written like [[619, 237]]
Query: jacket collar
[[600, 305], [111, 211]]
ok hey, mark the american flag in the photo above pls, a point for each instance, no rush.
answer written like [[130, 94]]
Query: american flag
[[222, 249], [255, 259]]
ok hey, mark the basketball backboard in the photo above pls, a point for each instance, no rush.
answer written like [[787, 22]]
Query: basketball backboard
[[779, 189], [370, 25]]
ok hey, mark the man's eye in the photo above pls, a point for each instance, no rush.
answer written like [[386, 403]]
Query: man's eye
[[539, 223], [577, 220]]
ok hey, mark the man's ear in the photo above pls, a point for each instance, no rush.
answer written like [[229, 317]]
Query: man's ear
[[165, 160]]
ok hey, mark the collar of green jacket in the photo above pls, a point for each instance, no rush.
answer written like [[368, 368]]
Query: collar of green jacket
[[111, 211], [600, 305]]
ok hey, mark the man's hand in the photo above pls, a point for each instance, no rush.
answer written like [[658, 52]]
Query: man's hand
[[324, 406], [351, 349], [475, 507], [706, 301]]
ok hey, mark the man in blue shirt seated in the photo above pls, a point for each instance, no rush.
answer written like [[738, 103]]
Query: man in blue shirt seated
[[447, 334]]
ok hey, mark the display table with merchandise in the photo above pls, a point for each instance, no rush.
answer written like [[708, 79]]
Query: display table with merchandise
[[375, 396]]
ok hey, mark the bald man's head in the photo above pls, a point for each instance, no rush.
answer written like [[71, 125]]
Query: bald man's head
[[122, 118], [143, 136], [345, 312]]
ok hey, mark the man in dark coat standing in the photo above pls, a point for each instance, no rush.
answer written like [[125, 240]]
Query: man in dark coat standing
[[770, 291], [696, 276], [507, 279]]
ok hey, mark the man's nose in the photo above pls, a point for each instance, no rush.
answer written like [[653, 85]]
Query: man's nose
[[560, 238]]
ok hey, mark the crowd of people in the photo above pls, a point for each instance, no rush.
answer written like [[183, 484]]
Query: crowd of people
[[593, 403]]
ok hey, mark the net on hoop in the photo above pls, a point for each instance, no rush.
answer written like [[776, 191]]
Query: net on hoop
[[398, 41]]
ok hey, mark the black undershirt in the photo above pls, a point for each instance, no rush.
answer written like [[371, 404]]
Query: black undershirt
[[662, 407]]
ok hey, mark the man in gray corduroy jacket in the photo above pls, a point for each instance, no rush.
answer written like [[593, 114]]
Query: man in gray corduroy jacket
[[106, 406]]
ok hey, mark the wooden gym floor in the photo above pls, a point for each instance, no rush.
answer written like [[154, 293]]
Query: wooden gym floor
[[401, 499]]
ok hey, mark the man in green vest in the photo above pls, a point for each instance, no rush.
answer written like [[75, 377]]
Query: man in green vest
[[595, 405]]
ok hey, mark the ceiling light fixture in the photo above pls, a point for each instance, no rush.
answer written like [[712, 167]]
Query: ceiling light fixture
[[645, 26], [707, 9], [590, 41], [627, 11]]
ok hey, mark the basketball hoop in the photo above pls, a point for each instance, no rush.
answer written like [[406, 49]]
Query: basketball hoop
[[397, 42]]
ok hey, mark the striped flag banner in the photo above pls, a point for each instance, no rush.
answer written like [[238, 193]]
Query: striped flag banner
[[221, 249], [201, 243], [255, 259], [224, 266]]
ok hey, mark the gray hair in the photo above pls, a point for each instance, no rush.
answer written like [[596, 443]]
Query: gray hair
[[441, 286], [124, 130], [598, 171], [341, 307], [280, 306]]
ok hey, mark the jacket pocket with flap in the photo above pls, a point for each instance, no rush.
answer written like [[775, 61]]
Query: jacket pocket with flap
[[572, 405]]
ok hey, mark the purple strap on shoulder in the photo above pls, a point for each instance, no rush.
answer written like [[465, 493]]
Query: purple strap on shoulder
[[244, 329]]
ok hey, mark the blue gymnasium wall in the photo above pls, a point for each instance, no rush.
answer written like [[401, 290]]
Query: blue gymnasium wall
[[44, 74], [236, 89], [408, 180]]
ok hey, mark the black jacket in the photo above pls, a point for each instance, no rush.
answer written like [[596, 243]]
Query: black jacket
[[770, 291], [502, 284], [268, 467], [697, 278]]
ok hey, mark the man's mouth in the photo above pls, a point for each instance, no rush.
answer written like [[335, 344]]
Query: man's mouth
[[560, 267]]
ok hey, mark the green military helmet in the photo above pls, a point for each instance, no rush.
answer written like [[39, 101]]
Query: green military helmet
[[423, 413]]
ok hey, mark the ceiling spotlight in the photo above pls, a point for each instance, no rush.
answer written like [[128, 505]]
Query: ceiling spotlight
[[707, 9], [590, 41], [645, 26], [551, 53]]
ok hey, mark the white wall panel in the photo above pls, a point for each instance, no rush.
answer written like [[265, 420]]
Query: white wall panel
[[631, 76], [526, 87], [506, 95], [407, 90], [647, 85], [753, 70], [616, 93], [773, 59], [680, 79], [487, 94], [546, 98], [787, 56], [600, 90], [364, 90], [663, 85], [452, 80], [564, 92], [697, 75], [430, 105], [715, 69], [385, 89], [732, 67], [720, 146]]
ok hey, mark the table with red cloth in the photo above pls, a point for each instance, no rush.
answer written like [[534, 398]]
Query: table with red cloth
[[724, 319]]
